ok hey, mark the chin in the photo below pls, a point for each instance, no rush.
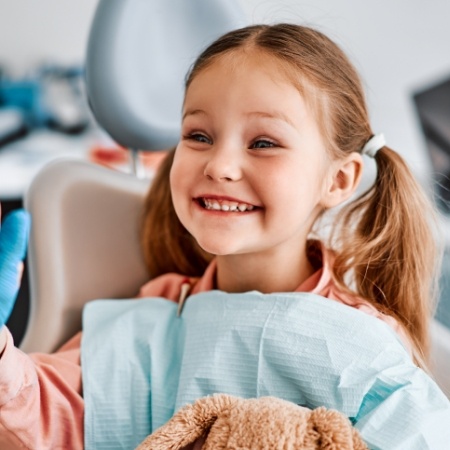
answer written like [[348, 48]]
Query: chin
[[217, 249]]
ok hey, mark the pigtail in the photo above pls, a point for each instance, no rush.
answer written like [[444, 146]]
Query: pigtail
[[390, 250], [167, 245]]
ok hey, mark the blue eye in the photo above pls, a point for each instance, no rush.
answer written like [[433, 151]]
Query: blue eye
[[263, 143], [199, 138]]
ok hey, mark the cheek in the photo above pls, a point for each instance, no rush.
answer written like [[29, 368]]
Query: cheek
[[176, 178], [293, 187], [182, 165]]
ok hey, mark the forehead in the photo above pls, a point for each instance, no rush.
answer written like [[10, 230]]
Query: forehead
[[240, 70], [247, 61], [248, 87]]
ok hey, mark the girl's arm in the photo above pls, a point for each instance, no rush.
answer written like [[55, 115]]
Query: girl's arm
[[41, 404]]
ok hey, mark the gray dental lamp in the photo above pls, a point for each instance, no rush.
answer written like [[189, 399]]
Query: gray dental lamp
[[138, 54]]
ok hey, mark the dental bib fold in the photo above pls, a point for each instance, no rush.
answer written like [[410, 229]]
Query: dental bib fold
[[141, 363]]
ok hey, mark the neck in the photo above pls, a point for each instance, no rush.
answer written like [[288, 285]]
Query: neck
[[266, 274]]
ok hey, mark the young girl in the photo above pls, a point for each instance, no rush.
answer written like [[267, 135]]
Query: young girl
[[244, 298]]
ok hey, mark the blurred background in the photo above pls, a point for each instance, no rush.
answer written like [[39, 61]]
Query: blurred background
[[400, 48]]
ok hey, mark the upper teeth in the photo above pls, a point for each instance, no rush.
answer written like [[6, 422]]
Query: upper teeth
[[225, 205]]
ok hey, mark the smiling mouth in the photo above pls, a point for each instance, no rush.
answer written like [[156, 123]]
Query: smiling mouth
[[225, 205]]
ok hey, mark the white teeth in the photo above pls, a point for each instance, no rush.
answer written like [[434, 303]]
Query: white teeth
[[226, 206]]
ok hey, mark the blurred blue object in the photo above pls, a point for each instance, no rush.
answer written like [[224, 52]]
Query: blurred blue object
[[53, 97], [25, 95], [64, 99]]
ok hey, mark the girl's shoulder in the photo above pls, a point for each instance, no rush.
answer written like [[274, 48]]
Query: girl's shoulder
[[326, 287], [169, 286]]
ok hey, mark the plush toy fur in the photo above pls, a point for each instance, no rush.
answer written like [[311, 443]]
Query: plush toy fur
[[225, 422]]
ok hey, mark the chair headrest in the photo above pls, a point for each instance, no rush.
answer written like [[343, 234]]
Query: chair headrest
[[138, 54]]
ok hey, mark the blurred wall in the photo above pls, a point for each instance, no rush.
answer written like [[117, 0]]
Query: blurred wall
[[398, 46], [35, 31]]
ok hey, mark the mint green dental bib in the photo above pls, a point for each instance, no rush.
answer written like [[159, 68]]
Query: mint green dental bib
[[141, 363]]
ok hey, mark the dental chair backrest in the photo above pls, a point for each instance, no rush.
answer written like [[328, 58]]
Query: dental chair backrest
[[84, 241], [84, 245]]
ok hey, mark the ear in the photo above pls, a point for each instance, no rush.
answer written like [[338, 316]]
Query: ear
[[344, 177]]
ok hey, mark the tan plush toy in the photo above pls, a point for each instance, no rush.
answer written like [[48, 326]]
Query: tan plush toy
[[225, 422]]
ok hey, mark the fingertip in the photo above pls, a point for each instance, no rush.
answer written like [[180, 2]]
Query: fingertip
[[15, 231], [23, 218]]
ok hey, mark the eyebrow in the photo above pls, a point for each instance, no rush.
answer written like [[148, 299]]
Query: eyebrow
[[192, 112], [278, 115]]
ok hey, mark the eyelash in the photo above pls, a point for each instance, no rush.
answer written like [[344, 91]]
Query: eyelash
[[271, 144], [198, 137]]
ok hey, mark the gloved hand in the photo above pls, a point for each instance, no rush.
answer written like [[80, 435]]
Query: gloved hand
[[13, 244]]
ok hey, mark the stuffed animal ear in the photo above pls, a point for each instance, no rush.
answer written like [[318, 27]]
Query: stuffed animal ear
[[189, 423]]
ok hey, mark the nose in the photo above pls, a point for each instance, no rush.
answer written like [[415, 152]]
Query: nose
[[223, 165]]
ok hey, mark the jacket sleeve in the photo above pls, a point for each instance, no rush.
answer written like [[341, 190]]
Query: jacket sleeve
[[41, 403]]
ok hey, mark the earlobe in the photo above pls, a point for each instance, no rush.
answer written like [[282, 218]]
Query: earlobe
[[345, 178]]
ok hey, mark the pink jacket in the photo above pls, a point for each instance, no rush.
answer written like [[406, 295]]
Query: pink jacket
[[41, 400]]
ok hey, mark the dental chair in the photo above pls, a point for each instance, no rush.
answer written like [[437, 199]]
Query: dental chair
[[84, 243]]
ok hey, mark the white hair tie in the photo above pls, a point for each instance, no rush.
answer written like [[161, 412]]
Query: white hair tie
[[375, 143]]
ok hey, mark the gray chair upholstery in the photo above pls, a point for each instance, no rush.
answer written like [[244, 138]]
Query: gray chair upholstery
[[137, 58], [84, 245]]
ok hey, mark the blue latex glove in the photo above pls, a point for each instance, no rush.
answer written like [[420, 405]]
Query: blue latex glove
[[13, 244]]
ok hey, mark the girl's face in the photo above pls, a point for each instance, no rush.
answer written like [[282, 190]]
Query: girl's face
[[251, 171]]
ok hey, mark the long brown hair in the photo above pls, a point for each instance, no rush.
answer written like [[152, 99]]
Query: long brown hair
[[385, 248], [167, 245]]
